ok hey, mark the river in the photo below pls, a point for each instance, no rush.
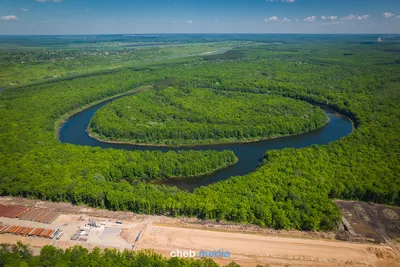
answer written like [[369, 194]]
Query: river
[[73, 131]]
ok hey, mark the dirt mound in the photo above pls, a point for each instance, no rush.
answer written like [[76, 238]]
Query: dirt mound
[[128, 235], [384, 254], [390, 214]]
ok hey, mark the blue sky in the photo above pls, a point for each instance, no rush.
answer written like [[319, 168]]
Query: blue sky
[[198, 16]]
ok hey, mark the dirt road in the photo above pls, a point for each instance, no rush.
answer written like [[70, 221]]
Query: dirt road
[[249, 249]]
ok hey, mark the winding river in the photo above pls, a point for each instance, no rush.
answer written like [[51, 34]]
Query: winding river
[[73, 131]]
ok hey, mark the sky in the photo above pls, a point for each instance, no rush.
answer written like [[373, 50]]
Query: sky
[[198, 16]]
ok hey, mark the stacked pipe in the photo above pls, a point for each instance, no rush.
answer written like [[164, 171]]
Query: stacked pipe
[[29, 231], [12, 211], [42, 216]]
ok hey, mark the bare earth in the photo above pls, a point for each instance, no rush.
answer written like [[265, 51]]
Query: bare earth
[[378, 223], [248, 245]]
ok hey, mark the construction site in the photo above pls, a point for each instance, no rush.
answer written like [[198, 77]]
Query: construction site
[[30, 224], [63, 225]]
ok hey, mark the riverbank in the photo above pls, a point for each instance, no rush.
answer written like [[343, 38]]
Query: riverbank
[[249, 154], [171, 118], [94, 136], [60, 122], [160, 181]]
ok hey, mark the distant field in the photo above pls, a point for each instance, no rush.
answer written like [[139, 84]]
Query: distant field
[[25, 64]]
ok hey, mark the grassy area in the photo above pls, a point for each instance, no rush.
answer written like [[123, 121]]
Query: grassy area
[[40, 64]]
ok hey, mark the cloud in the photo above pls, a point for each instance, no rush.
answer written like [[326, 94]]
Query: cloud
[[388, 15], [9, 17], [355, 17], [398, 17], [215, 21], [363, 17], [23, 10], [273, 18], [54, 1], [329, 17], [286, 20], [349, 17], [189, 21], [312, 18]]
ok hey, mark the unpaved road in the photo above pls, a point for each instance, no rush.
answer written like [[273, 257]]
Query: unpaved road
[[250, 249], [248, 245]]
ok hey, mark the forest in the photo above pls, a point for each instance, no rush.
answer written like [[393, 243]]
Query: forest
[[292, 188], [181, 116], [20, 255]]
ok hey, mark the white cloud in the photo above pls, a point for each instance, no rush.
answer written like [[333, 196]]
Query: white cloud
[[388, 15], [363, 17], [312, 18], [189, 21], [23, 10], [286, 20], [273, 18], [355, 17], [349, 17], [329, 17], [398, 17], [215, 21], [9, 17]]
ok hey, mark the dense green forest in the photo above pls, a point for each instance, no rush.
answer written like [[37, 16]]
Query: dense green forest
[[292, 189], [180, 116], [19, 255]]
